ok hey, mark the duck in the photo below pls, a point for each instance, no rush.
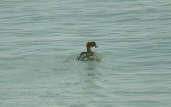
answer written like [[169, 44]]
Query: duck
[[89, 55]]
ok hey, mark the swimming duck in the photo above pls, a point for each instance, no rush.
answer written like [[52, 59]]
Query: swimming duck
[[89, 55]]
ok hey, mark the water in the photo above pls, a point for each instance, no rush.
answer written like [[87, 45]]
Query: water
[[39, 41]]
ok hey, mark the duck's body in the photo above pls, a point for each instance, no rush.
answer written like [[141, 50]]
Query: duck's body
[[89, 55], [86, 56]]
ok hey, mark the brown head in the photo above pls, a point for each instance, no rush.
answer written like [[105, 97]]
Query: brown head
[[90, 45]]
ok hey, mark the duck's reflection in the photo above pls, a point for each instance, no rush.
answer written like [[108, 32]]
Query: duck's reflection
[[91, 65]]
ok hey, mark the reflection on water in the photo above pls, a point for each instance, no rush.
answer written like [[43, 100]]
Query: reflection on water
[[88, 65], [91, 74], [91, 65]]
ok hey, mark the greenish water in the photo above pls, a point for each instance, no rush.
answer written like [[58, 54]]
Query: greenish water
[[40, 39]]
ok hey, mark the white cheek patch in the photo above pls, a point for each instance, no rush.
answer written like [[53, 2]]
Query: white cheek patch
[[85, 54]]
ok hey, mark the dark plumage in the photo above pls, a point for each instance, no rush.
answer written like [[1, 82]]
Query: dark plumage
[[89, 55]]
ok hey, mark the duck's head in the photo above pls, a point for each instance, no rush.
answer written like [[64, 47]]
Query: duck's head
[[91, 44]]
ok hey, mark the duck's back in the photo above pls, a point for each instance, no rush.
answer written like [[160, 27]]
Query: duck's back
[[86, 56]]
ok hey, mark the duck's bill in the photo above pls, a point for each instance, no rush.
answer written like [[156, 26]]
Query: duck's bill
[[96, 46]]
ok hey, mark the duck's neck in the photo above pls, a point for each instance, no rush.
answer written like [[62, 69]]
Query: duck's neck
[[89, 50]]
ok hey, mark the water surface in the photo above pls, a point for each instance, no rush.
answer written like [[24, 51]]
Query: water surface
[[39, 41]]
